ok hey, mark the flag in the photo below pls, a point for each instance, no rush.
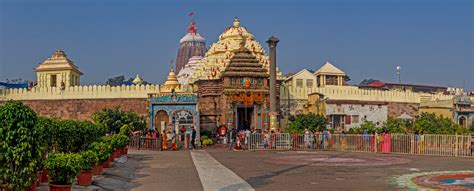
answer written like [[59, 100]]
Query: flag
[[191, 14]]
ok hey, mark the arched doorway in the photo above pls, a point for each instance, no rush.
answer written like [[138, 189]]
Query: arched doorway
[[161, 120], [462, 121], [183, 118]]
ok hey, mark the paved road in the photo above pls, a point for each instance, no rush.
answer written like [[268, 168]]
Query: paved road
[[173, 170], [221, 169], [215, 176], [263, 175]]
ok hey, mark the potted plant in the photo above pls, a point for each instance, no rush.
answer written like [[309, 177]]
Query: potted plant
[[103, 151], [122, 142], [88, 162], [62, 169]]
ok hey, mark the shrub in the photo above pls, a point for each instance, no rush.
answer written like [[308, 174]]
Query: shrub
[[102, 149], [20, 149], [115, 118], [204, 137], [126, 130], [310, 121], [121, 141], [207, 142], [63, 168], [88, 160]]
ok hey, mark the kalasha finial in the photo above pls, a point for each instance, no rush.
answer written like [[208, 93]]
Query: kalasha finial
[[192, 27], [59, 53], [236, 22]]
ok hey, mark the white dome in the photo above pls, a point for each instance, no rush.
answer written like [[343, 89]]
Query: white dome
[[192, 37]]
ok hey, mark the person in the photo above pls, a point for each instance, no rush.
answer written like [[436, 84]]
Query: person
[[247, 136], [343, 141], [421, 142], [306, 137], [164, 147], [233, 136], [173, 140], [193, 137], [311, 139], [416, 142]]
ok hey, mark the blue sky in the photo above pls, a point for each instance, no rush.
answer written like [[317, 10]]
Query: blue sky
[[432, 40]]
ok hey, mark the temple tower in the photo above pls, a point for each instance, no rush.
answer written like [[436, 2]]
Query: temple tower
[[58, 71], [192, 44]]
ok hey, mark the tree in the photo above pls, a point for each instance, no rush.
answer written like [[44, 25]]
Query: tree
[[20, 150], [116, 81], [310, 121], [115, 118]]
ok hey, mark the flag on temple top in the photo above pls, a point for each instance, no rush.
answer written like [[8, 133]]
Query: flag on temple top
[[191, 14]]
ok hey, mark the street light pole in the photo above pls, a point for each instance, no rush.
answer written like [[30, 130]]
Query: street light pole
[[399, 68]]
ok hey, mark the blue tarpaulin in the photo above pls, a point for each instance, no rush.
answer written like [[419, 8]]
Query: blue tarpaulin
[[13, 85]]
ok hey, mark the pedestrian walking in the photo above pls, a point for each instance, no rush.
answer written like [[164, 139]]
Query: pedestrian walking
[[193, 138]]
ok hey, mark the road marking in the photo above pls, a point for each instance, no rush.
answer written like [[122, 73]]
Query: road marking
[[214, 175]]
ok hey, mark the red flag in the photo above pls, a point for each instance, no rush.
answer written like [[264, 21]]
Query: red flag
[[191, 14]]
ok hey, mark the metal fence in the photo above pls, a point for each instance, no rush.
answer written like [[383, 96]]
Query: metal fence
[[156, 143], [436, 145]]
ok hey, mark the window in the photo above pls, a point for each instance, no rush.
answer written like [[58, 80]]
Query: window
[[53, 80], [355, 119], [309, 83], [331, 80], [299, 83], [348, 120]]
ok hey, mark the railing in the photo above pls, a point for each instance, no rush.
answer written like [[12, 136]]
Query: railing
[[156, 143], [435, 145]]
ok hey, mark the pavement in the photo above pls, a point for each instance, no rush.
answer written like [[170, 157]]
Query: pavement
[[217, 168]]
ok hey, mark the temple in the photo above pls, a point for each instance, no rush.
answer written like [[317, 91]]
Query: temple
[[58, 71], [192, 44], [233, 82]]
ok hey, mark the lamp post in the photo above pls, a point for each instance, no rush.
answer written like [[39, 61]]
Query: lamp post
[[399, 68]]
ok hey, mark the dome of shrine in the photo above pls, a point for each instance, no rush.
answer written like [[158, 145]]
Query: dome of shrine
[[236, 31], [137, 80], [192, 35], [172, 80]]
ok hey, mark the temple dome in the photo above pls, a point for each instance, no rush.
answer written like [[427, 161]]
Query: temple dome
[[192, 37], [137, 80], [192, 44], [236, 31], [219, 55], [172, 80], [186, 72]]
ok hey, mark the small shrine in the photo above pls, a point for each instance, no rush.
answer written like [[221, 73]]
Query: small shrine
[[174, 107], [58, 71]]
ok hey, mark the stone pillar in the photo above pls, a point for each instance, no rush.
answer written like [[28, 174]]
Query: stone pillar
[[272, 43]]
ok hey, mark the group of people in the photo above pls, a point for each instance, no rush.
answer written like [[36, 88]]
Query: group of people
[[168, 138], [238, 138]]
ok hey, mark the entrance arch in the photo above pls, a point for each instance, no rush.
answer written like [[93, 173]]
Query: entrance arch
[[161, 120], [462, 121], [184, 118]]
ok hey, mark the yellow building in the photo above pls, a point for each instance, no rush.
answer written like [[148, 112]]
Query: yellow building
[[329, 74], [316, 104], [442, 108], [58, 71]]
